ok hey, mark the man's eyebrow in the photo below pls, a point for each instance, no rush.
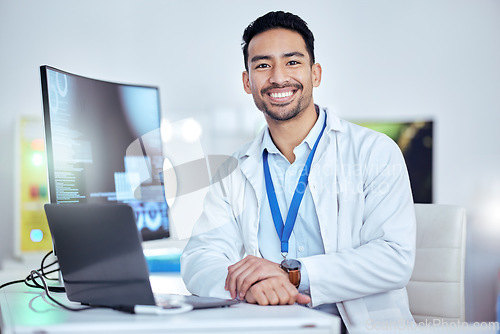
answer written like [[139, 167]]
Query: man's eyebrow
[[257, 58], [293, 54], [284, 55]]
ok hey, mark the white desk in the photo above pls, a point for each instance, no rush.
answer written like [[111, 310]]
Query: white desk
[[25, 310]]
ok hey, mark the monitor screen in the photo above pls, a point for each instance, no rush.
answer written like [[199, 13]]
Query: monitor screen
[[103, 144], [415, 139]]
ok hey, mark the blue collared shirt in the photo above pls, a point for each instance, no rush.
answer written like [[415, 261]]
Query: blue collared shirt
[[305, 239]]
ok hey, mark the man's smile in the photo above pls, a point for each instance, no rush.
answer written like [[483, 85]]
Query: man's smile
[[278, 95], [281, 97], [282, 94]]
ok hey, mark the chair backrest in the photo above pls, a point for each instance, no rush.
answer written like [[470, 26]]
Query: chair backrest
[[436, 287]]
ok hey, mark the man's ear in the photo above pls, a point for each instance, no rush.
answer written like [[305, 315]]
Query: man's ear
[[246, 82], [316, 74]]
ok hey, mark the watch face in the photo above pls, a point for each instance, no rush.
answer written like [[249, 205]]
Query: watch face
[[291, 264]]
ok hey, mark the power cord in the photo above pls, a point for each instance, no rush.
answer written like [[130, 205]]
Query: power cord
[[172, 307], [11, 282], [45, 287], [43, 267], [34, 274], [44, 274], [32, 281]]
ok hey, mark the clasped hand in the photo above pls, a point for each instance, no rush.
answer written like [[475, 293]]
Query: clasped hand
[[260, 281]]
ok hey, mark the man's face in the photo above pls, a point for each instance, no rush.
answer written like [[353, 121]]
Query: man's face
[[280, 76]]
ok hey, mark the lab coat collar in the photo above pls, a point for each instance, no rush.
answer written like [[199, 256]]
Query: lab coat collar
[[333, 123], [309, 140], [251, 158]]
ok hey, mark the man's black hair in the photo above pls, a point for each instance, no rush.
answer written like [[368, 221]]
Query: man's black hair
[[275, 20]]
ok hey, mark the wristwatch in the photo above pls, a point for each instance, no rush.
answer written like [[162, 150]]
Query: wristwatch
[[292, 267]]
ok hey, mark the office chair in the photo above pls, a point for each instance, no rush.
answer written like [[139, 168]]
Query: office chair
[[436, 287]]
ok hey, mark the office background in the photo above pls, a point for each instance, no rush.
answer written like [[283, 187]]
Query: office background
[[382, 60]]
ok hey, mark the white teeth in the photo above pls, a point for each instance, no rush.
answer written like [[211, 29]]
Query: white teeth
[[282, 95]]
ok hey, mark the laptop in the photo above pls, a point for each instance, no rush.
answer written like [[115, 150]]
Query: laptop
[[98, 247]]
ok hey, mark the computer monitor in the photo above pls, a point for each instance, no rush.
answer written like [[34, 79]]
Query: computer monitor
[[415, 139], [103, 144]]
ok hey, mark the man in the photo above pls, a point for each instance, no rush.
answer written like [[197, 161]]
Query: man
[[318, 211]]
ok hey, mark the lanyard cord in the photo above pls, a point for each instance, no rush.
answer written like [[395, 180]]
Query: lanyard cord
[[285, 230]]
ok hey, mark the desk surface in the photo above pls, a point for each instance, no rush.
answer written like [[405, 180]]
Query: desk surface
[[25, 310]]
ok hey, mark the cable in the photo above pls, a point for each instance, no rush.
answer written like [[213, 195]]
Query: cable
[[43, 267], [36, 285], [10, 283], [41, 275], [175, 308], [44, 274], [46, 288]]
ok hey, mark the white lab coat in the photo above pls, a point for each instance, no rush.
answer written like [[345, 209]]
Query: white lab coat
[[360, 187]]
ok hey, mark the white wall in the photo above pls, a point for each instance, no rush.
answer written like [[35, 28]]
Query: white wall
[[384, 59]]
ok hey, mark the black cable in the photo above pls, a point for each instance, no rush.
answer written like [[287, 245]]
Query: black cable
[[37, 285], [46, 289], [43, 267], [10, 283], [45, 258], [36, 274], [44, 274], [33, 276], [50, 272], [31, 281]]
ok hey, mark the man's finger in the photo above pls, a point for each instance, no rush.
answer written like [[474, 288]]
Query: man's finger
[[233, 268], [238, 267], [242, 285], [258, 272], [235, 272], [303, 299], [249, 297], [285, 295], [243, 274], [260, 296], [232, 284], [271, 296]]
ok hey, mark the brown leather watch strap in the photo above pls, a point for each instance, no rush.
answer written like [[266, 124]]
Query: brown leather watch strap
[[294, 277], [292, 267]]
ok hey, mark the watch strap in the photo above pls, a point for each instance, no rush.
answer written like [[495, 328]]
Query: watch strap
[[294, 277], [292, 271]]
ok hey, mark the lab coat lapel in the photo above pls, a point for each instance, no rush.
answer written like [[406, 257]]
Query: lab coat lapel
[[323, 189], [251, 168]]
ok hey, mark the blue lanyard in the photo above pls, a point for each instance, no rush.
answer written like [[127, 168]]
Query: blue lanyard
[[285, 230]]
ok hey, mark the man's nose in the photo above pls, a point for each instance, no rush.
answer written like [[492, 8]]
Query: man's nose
[[279, 76]]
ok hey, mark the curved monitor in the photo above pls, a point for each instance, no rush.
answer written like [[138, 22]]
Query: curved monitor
[[103, 144]]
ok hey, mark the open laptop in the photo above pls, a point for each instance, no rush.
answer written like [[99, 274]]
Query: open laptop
[[101, 258]]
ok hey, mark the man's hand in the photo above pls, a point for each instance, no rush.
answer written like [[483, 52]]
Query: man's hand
[[243, 274], [275, 291]]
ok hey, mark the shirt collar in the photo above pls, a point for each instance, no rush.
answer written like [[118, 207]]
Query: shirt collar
[[268, 144], [316, 129], [255, 148]]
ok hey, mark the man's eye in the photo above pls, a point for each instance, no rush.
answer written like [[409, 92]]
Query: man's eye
[[293, 62], [262, 66]]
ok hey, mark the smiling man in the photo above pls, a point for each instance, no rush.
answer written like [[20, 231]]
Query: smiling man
[[319, 210]]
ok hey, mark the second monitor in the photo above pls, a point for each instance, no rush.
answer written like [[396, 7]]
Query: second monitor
[[103, 145]]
